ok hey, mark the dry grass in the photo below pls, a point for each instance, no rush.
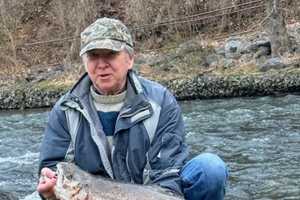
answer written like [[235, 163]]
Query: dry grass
[[245, 69], [148, 14], [28, 21], [42, 20]]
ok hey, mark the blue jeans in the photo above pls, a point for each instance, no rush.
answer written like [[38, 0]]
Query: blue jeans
[[204, 178]]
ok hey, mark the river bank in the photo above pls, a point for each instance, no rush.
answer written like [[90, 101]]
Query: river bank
[[24, 95], [195, 69]]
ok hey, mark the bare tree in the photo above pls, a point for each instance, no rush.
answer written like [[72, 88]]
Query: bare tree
[[8, 25], [276, 28]]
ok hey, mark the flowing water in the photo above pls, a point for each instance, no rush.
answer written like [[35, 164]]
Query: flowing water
[[258, 138]]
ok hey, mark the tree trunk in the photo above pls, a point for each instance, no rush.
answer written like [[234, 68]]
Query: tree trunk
[[276, 28]]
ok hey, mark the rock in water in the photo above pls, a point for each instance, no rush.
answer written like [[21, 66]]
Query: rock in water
[[76, 184], [7, 196]]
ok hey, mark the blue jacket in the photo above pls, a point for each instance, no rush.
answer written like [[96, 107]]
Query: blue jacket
[[149, 143]]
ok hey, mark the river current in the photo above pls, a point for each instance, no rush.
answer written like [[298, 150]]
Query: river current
[[258, 138]]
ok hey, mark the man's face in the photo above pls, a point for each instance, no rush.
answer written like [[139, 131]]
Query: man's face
[[108, 70]]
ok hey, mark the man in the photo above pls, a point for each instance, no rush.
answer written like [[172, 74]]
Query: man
[[119, 125]]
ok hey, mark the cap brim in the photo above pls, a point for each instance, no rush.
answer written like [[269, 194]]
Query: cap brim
[[103, 44]]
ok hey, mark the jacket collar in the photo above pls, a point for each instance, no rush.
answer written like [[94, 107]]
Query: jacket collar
[[135, 100]]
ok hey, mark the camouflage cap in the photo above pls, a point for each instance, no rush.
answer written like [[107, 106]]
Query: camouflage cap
[[106, 33]]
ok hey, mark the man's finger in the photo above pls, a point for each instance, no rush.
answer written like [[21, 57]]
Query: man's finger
[[46, 185], [48, 172]]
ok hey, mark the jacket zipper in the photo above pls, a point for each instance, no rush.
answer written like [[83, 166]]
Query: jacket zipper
[[134, 113], [86, 115]]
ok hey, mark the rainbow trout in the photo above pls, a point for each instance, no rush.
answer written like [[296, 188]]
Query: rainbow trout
[[76, 184]]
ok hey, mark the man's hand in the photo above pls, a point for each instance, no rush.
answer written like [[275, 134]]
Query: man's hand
[[47, 182]]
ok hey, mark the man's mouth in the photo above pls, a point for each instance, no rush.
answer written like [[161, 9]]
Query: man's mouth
[[104, 76]]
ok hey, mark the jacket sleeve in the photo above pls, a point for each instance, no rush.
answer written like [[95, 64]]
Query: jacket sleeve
[[56, 139], [168, 151]]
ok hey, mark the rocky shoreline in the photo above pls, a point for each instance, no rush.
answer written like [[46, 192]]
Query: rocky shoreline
[[207, 86], [195, 69]]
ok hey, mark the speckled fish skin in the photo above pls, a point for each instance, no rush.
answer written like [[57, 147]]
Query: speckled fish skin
[[76, 184]]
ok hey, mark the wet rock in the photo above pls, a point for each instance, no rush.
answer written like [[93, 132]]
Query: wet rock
[[7, 196], [220, 51], [229, 63], [298, 30], [246, 58], [206, 87], [263, 43], [272, 63], [258, 44], [211, 60], [38, 75], [296, 48], [25, 95], [293, 44], [262, 51], [233, 48], [202, 86]]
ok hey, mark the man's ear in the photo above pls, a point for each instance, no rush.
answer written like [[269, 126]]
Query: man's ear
[[130, 61]]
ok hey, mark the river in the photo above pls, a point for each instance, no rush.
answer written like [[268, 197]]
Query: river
[[259, 139]]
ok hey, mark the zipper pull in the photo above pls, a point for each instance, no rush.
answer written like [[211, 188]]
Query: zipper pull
[[76, 99]]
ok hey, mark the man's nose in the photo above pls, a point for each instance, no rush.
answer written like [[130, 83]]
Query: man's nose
[[102, 63]]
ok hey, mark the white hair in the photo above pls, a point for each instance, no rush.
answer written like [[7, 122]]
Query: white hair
[[129, 50], [85, 60]]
